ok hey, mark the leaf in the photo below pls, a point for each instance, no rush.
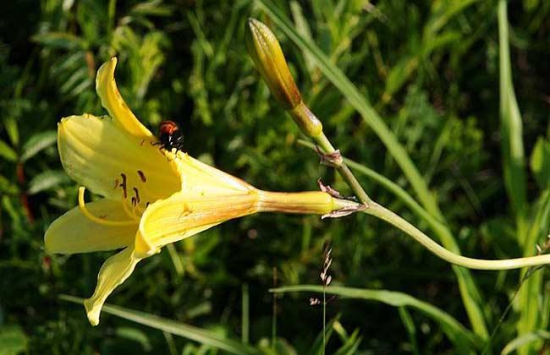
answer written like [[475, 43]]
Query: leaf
[[59, 40], [318, 346], [538, 231], [280, 347], [47, 180], [530, 5], [540, 163], [199, 335], [135, 335], [79, 76], [511, 126], [440, 41], [524, 340], [515, 180], [13, 340], [7, 152], [13, 131], [444, 11], [408, 322], [398, 75], [464, 340], [152, 8], [351, 344], [37, 143], [303, 29], [8, 187]]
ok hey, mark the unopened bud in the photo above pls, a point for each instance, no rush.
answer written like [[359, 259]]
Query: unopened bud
[[266, 52]]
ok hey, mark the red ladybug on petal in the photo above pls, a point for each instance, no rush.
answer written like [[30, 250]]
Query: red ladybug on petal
[[170, 136]]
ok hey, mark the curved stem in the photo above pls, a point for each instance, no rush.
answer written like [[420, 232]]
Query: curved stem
[[471, 263]]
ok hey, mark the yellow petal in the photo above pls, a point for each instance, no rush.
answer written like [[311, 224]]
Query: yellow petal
[[114, 103], [185, 214], [208, 197], [100, 155], [74, 233], [199, 177], [113, 273]]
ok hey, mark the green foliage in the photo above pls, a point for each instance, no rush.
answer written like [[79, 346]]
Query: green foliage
[[540, 162], [12, 340], [408, 90]]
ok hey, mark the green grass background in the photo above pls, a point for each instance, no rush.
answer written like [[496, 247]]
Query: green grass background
[[467, 143]]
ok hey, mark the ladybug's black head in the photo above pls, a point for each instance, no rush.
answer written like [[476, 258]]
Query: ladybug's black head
[[170, 136]]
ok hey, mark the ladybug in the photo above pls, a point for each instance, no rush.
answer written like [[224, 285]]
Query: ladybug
[[170, 136]]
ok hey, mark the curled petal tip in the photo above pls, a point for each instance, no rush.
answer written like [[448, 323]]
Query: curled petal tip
[[113, 102], [92, 312]]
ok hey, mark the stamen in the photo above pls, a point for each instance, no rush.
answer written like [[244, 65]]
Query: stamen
[[91, 217], [129, 212], [149, 193], [139, 209]]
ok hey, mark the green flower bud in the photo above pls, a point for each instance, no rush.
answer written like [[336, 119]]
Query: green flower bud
[[266, 52], [270, 61]]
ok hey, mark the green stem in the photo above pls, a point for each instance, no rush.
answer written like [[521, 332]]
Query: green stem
[[342, 168], [324, 319], [274, 319], [459, 260]]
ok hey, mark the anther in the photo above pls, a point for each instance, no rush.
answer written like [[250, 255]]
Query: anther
[[123, 185], [136, 192], [142, 176]]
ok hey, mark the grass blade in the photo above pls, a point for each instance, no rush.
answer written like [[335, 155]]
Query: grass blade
[[514, 164], [410, 327], [464, 340], [528, 338], [199, 335], [510, 124]]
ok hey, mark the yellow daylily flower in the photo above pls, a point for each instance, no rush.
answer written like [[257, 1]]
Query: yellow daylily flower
[[152, 197]]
